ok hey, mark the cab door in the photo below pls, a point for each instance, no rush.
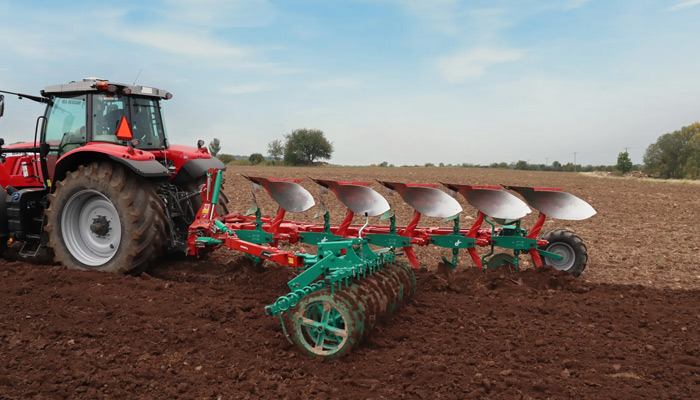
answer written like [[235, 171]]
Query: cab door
[[65, 127]]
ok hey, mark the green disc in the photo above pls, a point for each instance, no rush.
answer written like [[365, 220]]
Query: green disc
[[326, 325]]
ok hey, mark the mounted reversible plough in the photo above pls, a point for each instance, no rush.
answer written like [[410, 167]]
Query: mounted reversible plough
[[356, 277]]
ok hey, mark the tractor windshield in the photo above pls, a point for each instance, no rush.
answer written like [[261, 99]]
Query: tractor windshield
[[143, 113]]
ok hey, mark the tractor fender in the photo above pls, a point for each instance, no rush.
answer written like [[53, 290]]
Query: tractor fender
[[196, 168], [4, 230], [141, 162]]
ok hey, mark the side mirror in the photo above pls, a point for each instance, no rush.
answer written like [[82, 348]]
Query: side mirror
[[2, 104]]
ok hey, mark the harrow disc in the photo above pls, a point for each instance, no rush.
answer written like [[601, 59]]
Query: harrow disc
[[378, 293], [410, 278], [360, 299], [328, 325], [392, 288]]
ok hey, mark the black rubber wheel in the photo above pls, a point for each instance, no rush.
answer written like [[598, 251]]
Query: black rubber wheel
[[196, 185], [103, 217], [570, 246]]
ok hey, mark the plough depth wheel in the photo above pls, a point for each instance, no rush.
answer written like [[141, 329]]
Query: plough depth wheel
[[568, 245], [327, 325]]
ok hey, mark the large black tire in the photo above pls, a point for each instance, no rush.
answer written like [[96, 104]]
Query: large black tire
[[105, 218], [569, 245]]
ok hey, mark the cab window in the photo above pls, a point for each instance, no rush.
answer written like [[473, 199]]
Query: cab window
[[107, 111], [146, 124], [65, 126]]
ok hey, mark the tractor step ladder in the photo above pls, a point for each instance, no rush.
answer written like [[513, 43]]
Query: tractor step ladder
[[33, 246]]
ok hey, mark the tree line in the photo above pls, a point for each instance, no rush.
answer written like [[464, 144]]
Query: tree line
[[300, 147], [674, 155]]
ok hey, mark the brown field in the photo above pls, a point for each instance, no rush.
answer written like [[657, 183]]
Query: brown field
[[629, 327]]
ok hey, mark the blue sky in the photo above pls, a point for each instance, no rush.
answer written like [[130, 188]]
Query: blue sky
[[407, 82]]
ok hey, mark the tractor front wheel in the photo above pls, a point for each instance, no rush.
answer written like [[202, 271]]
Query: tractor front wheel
[[568, 245], [105, 218]]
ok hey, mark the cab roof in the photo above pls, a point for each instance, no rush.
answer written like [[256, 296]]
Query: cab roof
[[91, 85]]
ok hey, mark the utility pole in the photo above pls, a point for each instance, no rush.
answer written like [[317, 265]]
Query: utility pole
[[626, 148], [546, 161], [574, 161]]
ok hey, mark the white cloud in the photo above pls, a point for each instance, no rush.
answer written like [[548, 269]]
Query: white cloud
[[246, 89], [683, 5], [188, 44], [473, 63]]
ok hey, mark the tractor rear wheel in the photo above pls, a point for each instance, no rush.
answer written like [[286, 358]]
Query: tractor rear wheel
[[568, 245], [105, 218]]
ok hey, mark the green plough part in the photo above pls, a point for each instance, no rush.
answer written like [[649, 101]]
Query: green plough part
[[208, 241], [336, 265], [453, 241], [388, 240], [316, 238]]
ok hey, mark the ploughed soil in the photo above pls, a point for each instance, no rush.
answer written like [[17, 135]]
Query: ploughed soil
[[629, 327]]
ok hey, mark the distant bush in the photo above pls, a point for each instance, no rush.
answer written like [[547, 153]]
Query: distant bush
[[256, 158], [226, 158]]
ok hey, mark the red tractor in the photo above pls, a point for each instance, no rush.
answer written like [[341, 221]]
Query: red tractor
[[100, 185]]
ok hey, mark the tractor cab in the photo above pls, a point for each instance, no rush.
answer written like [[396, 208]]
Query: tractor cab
[[100, 111]]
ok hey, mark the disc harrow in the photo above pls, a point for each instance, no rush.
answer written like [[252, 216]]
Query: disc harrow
[[355, 278]]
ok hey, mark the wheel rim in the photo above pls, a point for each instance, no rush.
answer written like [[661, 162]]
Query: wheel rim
[[323, 328], [91, 227], [567, 253]]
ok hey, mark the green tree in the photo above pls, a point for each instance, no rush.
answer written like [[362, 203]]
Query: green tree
[[305, 146], [275, 149], [675, 154], [624, 164], [256, 158], [521, 164], [556, 165], [214, 147]]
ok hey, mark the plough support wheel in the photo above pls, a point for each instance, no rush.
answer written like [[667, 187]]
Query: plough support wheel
[[570, 247]]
